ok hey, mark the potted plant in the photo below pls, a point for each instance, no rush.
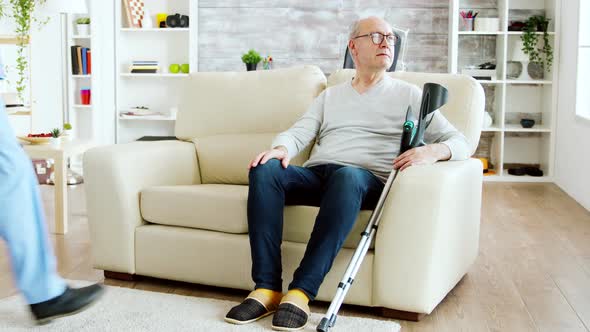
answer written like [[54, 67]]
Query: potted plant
[[55, 134], [68, 133], [251, 59], [542, 56], [83, 26]]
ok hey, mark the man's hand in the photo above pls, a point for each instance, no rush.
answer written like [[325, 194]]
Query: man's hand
[[280, 153], [422, 155]]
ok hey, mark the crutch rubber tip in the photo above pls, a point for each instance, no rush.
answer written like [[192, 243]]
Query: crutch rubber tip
[[324, 325]]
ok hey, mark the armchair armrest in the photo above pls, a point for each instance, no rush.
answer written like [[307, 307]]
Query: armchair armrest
[[114, 176], [428, 235]]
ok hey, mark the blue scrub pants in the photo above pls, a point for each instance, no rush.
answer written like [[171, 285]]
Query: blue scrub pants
[[22, 223]]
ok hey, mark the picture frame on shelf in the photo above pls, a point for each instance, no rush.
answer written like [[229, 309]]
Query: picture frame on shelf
[[134, 12]]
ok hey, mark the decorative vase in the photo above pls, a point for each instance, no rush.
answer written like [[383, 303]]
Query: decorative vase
[[147, 22], [542, 26], [68, 135], [55, 142], [83, 29], [251, 66], [487, 120]]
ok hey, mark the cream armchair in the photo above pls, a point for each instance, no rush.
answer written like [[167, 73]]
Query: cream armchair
[[177, 209]]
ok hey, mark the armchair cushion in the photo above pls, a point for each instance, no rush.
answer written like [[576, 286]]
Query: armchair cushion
[[219, 207]]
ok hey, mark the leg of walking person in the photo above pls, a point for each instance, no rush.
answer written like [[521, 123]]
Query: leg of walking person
[[22, 226]]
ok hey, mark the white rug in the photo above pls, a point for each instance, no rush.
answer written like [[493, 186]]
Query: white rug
[[124, 309]]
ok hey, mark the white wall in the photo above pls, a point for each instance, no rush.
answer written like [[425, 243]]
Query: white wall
[[572, 151], [103, 72]]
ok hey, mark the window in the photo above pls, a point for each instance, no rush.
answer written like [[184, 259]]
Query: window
[[583, 81]]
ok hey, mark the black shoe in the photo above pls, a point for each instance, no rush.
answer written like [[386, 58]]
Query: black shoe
[[251, 309], [72, 301], [290, 317]]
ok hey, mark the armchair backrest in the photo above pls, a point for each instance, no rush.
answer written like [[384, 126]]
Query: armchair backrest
[[466, 104], [232, 116]]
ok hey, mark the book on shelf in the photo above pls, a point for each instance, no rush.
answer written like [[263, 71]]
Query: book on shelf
[[140, 113], [81, 60], [89, 63], [144, 67]]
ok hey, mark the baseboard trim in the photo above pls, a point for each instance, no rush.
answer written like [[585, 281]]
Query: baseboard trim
[[120, 276]]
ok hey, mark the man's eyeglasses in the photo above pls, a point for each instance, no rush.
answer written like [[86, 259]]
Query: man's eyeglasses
[[377, 38]]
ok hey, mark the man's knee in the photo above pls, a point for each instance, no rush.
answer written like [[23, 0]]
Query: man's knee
[[265, 171], [352, 178]]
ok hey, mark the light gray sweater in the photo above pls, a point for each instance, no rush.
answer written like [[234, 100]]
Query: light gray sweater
[[364, 130]]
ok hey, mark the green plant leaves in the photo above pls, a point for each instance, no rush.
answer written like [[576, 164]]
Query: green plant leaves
[[542, 56], [22, 11], [252, 57]]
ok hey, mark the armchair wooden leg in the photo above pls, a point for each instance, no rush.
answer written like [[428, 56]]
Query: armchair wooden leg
[[398, 314], [120, 276]]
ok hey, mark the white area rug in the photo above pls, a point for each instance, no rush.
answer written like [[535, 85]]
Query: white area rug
[[124, 309]]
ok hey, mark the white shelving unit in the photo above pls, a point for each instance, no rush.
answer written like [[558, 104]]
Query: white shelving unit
[[159, 92], [511, 145], [82, 117]]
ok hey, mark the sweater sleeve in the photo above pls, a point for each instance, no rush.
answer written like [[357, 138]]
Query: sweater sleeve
[[305, 129], [442, 131]]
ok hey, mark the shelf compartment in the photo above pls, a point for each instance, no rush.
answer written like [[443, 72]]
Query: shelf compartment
[[494, 95], [527, 149], [528, 102], [514, 56], [490, 147], [476, 49]]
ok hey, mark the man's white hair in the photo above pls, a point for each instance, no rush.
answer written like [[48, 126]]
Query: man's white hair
[[355, 29]]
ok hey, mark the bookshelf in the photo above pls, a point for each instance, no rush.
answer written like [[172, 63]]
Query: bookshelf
[[158, 91], [81, 116], [506, 143]]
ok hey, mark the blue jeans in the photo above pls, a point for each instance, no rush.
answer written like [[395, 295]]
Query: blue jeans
[[340, 192], [22, 223]]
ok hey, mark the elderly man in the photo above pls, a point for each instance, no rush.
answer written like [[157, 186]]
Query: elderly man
[[22, 226], [358, 126]]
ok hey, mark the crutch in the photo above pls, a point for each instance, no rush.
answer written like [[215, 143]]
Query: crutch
[[434, 96]]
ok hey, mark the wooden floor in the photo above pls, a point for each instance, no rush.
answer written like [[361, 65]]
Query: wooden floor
[[532, 273]]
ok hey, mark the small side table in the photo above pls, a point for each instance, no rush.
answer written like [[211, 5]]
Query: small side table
[[60, 155]]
